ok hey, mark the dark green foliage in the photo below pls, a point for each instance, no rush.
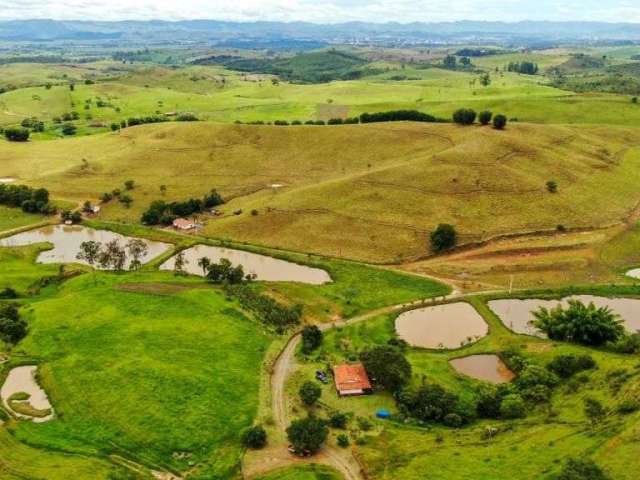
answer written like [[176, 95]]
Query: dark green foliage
[[225, 272], [526, 68], [12, 327], [629, 405], [31, 200], [566, 366], [8, 293], [266, 308], [338, 420], [443, 238], [464, 116], [17, 134], [594, 410], [397, 116], [311, 338], [581, 469], [537, 394], [450, 62], [161, 212], [335, 121], [133, 121], [387, 367], [307, 435], [552, 186], [69, 129], [499, 122], [187, 117], [579, 323], [309, 393], [489, 401], [627, 344], [514, 360], [429, 402], [343, 440], [255, 437], [534, 375], [453, 420], [485, 117], [512, 406]]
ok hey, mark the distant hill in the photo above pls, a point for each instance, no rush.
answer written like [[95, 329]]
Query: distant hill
[[229, 33]]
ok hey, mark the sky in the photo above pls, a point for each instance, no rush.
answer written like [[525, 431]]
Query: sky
[[325, 11]]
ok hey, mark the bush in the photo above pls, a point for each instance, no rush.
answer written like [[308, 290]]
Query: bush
[[429, 402], [309, 393], [443, 238], [186, 117], [552, 186], [512, 407], [69, 129], [387, 367], [534, 375], [566, 366], [307, 435], [499, 122], [537, 394], [629, 405], [581, 469], [464, 116], [8, 293], [452, 420], [17, 134], [485, 117], [12, 327], [255, 437], [311, 338], [627, 344], [397, 116], [489, 401], [338, 420], [343, 440]]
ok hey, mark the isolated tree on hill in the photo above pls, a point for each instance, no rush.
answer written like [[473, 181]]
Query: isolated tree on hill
[[443, 238], [387, 367], [137, 249], [307, 435], [204, 264], [485, 117], [309, 393], [499, 122], [311, 338], [90, 253]]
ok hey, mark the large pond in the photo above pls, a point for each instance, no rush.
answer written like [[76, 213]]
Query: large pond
[[66, 240], [265, 268], [517, 314], [444, 326], [489, 368], [20, 381]]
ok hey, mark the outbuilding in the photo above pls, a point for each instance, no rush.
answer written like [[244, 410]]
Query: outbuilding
[[351, 380], [183, 224]]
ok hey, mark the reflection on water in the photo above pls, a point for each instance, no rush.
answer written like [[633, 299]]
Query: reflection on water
[[489, 368], [265, 268]]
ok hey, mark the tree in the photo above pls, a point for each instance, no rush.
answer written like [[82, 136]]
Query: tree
[[204, 264], [579, 323], [512, 406], [594, 410], [464, 116], [309, 393], [443, 238], [17, 134], [485, 79], [581, 469], [499, 122], [129, 185], [343, 440], [429, 402], [112, 256], [163, 189], [179, 263], [90, 253], [387, 367], [566, 366], [485, 117], [450, 62], [634, 100], [311, 338], [12, 327], [69, 129], [552, 186], [307, 435], [126, 200], [137, 249], [255, 437], [338, 420]]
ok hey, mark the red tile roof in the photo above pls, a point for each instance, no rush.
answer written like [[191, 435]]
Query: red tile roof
[[351, 378], [182, 223]]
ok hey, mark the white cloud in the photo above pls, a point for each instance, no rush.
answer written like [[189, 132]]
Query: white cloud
[[324, 11]]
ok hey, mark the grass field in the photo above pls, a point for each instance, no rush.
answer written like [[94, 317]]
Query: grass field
[[12, 218], [310, 472]]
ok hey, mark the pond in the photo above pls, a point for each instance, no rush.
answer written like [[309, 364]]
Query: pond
[[517, 314], [635, 273], [444, 326], [66, 240], [265, 268], [489, 368], [21, 383]]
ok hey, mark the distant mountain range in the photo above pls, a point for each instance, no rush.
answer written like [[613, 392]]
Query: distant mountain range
[[269, 33]]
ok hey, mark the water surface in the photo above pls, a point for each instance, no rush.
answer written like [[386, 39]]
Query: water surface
[[265, 268], [22, 379], [444, 326], [489, 368]]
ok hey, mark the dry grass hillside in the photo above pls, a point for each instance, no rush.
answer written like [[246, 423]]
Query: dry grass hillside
[[370, 192]]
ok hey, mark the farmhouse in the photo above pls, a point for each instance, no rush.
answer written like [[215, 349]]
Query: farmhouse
[[351, 380], [183, 224]]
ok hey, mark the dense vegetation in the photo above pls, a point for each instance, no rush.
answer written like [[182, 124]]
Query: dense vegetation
[[31, 200], [161, 212]]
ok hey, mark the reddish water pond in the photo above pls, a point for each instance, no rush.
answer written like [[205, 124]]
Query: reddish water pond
[[489, 368]]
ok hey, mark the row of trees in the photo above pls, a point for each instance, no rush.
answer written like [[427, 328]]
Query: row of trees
[[388, 116], [161, 212], [468, 116], [112, 255], [31, 200]]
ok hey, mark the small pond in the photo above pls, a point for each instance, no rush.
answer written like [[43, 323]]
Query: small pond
[[66, 240], [443, 326], [22, 381], [265, 268], [517, 314], [489, 368]]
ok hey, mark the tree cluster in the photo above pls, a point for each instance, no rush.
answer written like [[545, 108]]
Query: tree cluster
[[307, 435], [31, 200], [266, 308], [526, 68], [112, 255], [223, 271], [12, 327], [161, 212]]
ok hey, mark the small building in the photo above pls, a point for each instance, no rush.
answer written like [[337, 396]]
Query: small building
[[183, 224], [351, 379], [95, 209]]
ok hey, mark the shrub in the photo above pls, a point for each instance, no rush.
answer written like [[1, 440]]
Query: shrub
[[464, 116], [485, 117], [387, 367], [534, 375], [512, 407], [343, 440], [452, 420], [309, 393], [552, 186], [311, 338], [12, 327], [335, 121], [8, 293], [338, 420], [186, 117], [443, 238], [69, 129], [499, 122], [629, 405], [489, 401], [17, 134], [255, 437], [429, 402], [566, 366], [537, 394], [307, 435], [594, 410], [581, 469], [627, 344]]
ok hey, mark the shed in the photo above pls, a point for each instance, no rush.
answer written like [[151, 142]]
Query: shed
[[183, 224], [351, 379]]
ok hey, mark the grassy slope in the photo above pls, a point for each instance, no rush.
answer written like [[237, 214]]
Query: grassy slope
[[307, 472], [394, 181], [11, 218], [18, 269], [144, 374]]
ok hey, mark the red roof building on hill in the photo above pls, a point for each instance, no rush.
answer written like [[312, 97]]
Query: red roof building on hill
[[351, 380]]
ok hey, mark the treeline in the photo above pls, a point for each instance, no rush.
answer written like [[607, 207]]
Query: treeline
[[480, 52], [526, 68], [266, 308], [161, 212], [31, 200], [388, 116]]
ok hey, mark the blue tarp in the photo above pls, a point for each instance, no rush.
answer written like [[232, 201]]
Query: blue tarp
[[382, 413]]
